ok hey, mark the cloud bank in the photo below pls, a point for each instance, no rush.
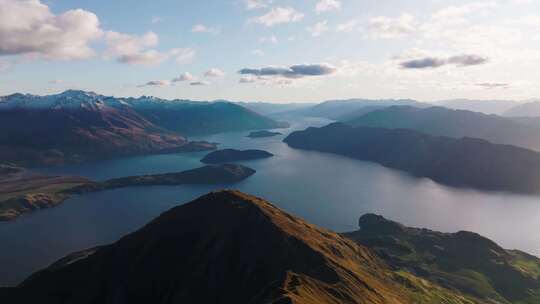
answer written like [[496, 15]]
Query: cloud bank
[[434, 62]]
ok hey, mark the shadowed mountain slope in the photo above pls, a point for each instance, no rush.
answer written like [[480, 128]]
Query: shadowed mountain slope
[[453, 123], [465, 162], [463, 261], [227, 247]]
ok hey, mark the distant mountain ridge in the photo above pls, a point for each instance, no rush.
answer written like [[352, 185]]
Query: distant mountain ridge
[[498, 107], [464, 162], [77, 126], [337, 109], [528, 109], [441, 121]]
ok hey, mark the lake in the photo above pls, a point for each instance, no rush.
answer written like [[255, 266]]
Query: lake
[[328, 190]]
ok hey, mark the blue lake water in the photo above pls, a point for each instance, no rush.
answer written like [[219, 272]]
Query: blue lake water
[[328, 190]]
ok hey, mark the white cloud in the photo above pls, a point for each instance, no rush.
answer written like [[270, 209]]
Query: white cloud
[[278, 15], [186, 76], [29, 27], [247, 79], [319, 28], [201, 28], [386, 27], [456, 12], [182, 55], [256, 4], [327, 5], [348, 26], [214, 73], [120, 44], [133, 49]]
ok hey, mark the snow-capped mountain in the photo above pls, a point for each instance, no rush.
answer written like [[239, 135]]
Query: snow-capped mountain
[[70, 99]]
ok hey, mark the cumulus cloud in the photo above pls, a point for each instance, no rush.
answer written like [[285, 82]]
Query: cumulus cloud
[[434, 62], [319, 28], [214, 73], [278, 15], [186, 76], [386, 27], [327, 5], [292, 72], [199, 83], [29, 27], [155, 83]]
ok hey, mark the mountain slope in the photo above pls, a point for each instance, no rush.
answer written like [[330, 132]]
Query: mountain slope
[[77, 126], [453, 123], [196, 118], [465, 162], [340, 109], [497, 107], [464, 260], [73, 129], [227, 247], [529, 109]]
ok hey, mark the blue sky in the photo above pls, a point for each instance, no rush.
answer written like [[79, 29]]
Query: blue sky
[[290, 51]]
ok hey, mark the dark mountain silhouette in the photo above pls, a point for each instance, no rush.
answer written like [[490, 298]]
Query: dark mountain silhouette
[[453, 123], [232, 155], [225, 247], [463, 261], [263, 133], [465, 162]]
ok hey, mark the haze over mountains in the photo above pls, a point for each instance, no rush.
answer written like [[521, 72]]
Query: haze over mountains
[[454, 123]]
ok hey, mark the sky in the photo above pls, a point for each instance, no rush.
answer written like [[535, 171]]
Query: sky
[[273, 50]]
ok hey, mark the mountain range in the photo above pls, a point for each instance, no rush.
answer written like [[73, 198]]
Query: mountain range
[[231, 247], [459, 162], [442, 121], [77, 126]]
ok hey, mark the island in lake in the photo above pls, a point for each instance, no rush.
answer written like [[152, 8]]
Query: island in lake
[[263, 133], [210, 174], [232, 155], [22, 191], [464, 162]]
